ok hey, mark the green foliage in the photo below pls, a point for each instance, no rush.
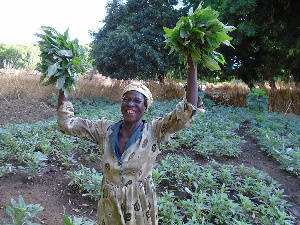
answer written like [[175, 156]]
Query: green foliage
[[198, 35], [88, 180], [257, 100], [21, 213], [130, 44], [19, 56], [219, 194], [213, 133], [7, 168], [78, 221], [279, 136], [62, 60], [35, 162], [261, 48], [168, 211]]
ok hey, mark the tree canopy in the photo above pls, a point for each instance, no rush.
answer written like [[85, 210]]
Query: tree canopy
[[131, 43], [19, 56], [266, 41]]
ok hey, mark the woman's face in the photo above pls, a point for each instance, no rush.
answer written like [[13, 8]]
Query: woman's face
[[133, 106]]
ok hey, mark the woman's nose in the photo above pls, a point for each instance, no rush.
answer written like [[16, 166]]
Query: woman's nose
[[130, 102]]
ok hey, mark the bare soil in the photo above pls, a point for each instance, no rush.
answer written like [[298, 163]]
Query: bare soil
[[51, 189]]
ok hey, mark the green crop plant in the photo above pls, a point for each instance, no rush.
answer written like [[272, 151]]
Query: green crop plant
[[62, 60], [257, 100], [21, 213], [198, 35], [78, 221], [7, 168], [168, 211], [35, 162], [88, 180]]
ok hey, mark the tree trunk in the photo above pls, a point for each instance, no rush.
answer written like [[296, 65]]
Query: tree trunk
[[271, 79]]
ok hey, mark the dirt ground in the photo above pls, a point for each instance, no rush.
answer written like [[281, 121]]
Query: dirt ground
[[51, 189]]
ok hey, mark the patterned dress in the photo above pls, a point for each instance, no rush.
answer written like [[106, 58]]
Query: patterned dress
[[127, 194]]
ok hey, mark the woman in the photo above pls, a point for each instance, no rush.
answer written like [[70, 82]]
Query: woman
[[129, 149]]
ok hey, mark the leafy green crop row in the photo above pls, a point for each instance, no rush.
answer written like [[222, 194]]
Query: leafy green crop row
[[218, 194], [280, 137]]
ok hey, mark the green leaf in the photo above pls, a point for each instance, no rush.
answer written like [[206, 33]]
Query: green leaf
[[10, 211], [168, 31], [210, 63], [67, 220], [20, 217], [223, 36], [52, 69], [60, 82], [66, 53], [22, 202], [219, 57]]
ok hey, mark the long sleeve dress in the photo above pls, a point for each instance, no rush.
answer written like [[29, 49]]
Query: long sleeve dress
[[127, 194]]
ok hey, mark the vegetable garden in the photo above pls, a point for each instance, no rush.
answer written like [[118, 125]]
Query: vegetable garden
[[206, 174], [231, 166]]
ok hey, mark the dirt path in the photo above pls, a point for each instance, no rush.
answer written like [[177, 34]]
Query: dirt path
[[51, 190]]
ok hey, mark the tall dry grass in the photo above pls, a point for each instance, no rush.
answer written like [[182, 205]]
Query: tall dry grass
[[228, 94], [24, 85], [285, 99]]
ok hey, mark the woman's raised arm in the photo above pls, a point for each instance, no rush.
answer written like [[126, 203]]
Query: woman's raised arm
[[192, 85], [61, 98]]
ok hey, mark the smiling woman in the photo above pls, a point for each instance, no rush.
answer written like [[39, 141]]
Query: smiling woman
[[129, 149]]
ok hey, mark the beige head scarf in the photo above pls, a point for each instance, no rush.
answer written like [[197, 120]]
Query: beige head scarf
[[137, 86]]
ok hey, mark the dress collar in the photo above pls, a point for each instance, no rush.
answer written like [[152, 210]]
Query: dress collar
[[114, 138]]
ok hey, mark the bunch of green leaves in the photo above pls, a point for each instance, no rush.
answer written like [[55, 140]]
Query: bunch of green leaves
[[62, 59], [21, 213], [198, 35]]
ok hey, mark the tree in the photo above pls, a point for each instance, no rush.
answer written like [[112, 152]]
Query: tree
[[266, 42], [18, 56], [267, 30], [131, 43]]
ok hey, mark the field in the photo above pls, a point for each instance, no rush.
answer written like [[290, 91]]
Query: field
[[232, 166]]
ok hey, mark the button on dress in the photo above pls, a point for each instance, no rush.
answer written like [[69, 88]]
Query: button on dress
[[127, 195]]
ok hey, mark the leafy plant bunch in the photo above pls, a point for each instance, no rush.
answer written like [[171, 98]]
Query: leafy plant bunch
[[198, 35], [62, 59]]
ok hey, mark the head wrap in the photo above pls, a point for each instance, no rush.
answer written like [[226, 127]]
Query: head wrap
[[137, 86]]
